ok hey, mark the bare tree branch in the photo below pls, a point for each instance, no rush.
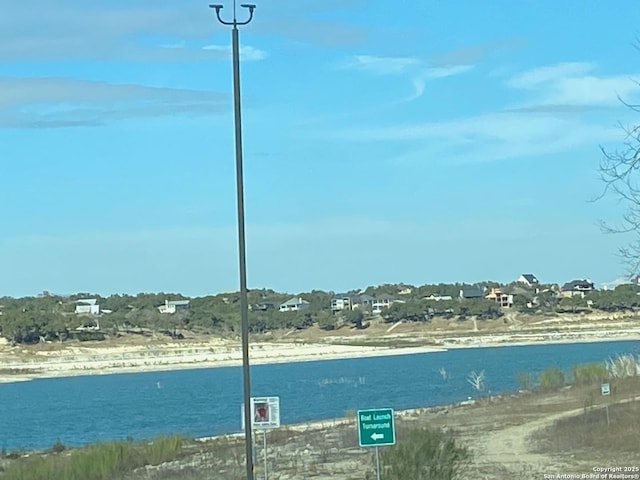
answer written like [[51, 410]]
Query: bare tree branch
[[476, 380], [632, 106], [620, 173]]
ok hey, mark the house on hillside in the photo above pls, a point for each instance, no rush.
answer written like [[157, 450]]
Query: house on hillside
[[87, 306], [438, 298], [372, 304], [405, 290], [528, 279], [172, 306], [294, 304], [362, 301], [469, 293], [505, 300], [342, 301], [264, 306], [576, 287], [381, 302]]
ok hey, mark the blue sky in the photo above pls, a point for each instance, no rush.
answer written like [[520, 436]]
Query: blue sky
[[416, 141]]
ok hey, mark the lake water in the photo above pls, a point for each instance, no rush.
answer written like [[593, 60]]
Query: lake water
[[205, 402]]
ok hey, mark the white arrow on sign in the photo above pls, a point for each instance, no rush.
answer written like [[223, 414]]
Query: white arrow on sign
[[377, 436]]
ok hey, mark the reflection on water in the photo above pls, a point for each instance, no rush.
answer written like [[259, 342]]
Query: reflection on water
[[355, 381]]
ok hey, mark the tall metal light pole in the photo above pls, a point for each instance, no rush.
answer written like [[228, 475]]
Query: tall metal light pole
[[244, 304]]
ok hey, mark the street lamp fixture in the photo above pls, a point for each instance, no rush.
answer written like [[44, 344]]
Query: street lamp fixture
[[249, 6], [244, 303]]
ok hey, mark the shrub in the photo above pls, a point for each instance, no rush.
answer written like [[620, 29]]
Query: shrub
[[589, 373], [327, 322], [425, 455], [162, 449], [551, 378], [623, 366], [58, 447], [525, 380]]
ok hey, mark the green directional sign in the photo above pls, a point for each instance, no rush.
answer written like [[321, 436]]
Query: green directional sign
[[376, 427]]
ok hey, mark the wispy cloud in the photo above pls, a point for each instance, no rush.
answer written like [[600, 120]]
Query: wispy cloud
[[534, 78], [475, 53], [106, 30], [247, 53], [312, 31], [155, 31], [532, 127], [495, 126], [382, 65], [402, 65], [62, 102], [417, 69], [571, 86], [422, 78], [282, 6], [180, 44], [552, 108], [421, 71], [488, 137]]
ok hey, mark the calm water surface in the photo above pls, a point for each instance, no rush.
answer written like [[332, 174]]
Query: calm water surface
[[204, 402]]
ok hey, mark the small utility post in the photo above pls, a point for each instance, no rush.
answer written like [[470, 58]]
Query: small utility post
[[264, 438], [605, 390]]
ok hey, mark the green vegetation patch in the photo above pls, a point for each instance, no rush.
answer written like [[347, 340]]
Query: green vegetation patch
[[589, 373], [550, 379], [100, 461], [425, 454]]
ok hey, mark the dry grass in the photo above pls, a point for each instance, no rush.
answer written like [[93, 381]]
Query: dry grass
[[590, 431], [439, 330]]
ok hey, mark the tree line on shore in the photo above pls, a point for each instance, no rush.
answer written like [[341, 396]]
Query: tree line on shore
[[49, 317]]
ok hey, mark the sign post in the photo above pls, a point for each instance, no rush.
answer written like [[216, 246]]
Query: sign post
[[264, 448], [605, 390], [376, 428], [265, 416]]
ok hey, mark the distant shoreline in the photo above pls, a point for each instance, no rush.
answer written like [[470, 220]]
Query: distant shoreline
[[261, 354], [623, 337], [82, 361]]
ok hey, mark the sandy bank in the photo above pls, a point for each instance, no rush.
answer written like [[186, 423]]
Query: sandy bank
[[526, 339], [91, 361], [21, 364]]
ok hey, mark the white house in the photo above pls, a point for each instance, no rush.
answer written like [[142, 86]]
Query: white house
[[86, 306], [341, 301], [381, 302], [528, 279], [577, 288], [294, 304], [439, 298], [171, 306]]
